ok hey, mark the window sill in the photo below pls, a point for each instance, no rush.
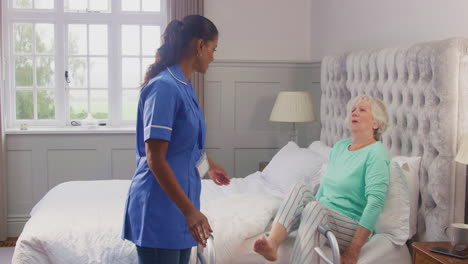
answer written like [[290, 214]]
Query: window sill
[[70, 130]]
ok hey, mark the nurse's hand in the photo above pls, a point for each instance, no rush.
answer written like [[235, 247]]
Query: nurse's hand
[[218, 174], [198, 226]]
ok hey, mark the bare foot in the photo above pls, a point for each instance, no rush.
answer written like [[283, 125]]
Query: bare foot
[[266, 248]]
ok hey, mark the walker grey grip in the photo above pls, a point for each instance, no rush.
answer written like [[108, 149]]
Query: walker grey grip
[[333, 245], [211, 252]]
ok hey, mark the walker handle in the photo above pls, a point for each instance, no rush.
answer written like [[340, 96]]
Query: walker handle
[[333, 245], [211, 252]]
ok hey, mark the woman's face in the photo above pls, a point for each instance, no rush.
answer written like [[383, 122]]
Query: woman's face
[[206, 52], [361, 118]]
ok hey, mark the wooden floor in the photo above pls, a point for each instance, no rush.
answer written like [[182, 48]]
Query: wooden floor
[[10, 242]]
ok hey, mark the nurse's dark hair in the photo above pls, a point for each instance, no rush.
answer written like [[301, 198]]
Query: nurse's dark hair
[[176, 39]]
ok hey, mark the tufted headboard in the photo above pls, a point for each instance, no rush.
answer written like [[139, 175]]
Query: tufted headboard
[[425, 88]]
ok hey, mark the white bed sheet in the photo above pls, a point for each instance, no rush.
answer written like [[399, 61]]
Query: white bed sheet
[[77, 222], [81, 222]]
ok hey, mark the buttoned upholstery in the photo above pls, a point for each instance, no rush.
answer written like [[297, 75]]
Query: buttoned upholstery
[[425, 89]]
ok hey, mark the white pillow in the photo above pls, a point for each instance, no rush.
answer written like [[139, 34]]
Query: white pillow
[[321, 148], [292, 165], [410, 168], [394, 219]]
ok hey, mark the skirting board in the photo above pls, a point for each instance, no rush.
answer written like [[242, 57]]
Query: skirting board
[[16, 224]]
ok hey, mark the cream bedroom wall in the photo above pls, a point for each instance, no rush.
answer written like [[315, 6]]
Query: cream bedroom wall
[[262, 30], [339, 25]]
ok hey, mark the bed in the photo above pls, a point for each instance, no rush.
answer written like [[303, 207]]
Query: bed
[[424, 86]]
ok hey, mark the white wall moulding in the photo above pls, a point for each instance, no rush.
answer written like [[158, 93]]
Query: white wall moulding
[[70, 130], [238, 101]]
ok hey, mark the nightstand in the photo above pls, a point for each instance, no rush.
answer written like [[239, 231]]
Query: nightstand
[[422, 254]]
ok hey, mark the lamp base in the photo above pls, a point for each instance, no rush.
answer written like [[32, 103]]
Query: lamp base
[[293, 133]]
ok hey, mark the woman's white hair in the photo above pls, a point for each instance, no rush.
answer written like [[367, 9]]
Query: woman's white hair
[[378, 109]]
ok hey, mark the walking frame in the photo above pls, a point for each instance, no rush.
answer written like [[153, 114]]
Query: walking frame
[[322, 230]]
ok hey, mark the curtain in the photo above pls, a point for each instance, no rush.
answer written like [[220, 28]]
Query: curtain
[[178, 9], [3, 195]]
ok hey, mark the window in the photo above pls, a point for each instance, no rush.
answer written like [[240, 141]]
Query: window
[[67, 58], [136, 56], [34, 71], [87, 70]]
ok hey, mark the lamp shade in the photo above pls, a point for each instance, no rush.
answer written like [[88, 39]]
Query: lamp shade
[[462, 154], [293, 107]]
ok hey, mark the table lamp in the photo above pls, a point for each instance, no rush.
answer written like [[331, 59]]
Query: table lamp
[[293, 107]]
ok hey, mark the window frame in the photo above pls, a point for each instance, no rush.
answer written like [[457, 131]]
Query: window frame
[[114, 19]]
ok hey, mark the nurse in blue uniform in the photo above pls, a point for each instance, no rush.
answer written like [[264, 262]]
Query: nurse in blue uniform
[[162, 214]]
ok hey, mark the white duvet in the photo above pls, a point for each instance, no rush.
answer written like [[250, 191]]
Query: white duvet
[[81, 222]]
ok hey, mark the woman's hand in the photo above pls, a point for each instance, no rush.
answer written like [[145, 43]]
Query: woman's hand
[[351, 254], [349, 257], [198, 226], [218, 174]]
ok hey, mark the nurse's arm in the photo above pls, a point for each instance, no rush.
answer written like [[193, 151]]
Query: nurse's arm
[[156, 151], [218, 174]]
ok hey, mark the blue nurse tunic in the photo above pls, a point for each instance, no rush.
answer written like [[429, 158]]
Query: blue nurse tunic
[[167, 110]]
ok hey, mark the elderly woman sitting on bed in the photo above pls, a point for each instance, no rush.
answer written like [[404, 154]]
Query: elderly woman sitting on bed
[[350, 198]]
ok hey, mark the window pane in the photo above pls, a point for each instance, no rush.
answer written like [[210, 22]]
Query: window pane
[[98, 39], [99, 108], [45, 104], [76, 5], [130, 72], [130, 5], [78, 104], [99, 5], [98, 73], [45, 69], [145, 63], [44, 38], [23, 36], [77, 70], [24, 104], [130, 40], [151, 5], [77, 40], [151, 36], [129, 104], [22, 3], [44, 4], [23, 71]]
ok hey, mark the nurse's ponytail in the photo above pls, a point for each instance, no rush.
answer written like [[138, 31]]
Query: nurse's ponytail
[[176, 40]]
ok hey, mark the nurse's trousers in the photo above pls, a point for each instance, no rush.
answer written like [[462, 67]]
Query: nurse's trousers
[[302, 212]]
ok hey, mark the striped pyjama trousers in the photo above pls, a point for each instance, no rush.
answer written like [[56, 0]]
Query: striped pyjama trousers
[[302, 212]]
